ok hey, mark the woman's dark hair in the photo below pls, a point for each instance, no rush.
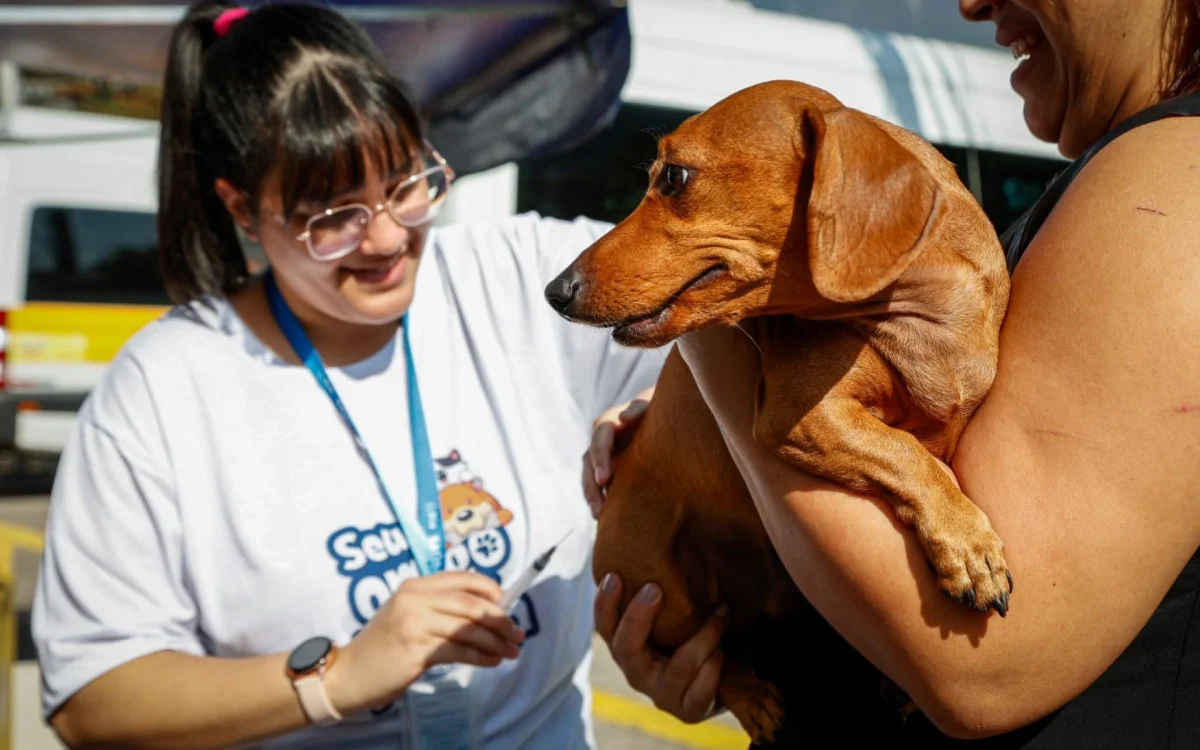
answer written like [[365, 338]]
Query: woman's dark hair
[[1183, 49], [293, 87]]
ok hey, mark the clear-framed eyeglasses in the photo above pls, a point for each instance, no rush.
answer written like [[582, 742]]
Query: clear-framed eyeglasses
[[338, 231]]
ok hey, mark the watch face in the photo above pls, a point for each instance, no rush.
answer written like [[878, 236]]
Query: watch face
[[308, 654]]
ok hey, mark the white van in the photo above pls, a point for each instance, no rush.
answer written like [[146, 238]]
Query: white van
[[78, 269]]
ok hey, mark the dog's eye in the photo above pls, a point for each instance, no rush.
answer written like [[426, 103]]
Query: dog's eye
[[673, 180]]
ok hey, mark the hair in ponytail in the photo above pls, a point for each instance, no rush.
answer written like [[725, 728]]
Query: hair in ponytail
[[292, 88], [198, 245]]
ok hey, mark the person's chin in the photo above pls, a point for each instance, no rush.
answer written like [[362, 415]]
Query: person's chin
[[1035, 82], [1041, 127], [1043, 114], [384, 305]]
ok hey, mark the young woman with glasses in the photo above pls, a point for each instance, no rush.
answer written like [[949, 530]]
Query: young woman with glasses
[[290, 510]]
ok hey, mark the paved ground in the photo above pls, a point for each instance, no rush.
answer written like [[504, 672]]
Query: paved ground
[[625, 720]]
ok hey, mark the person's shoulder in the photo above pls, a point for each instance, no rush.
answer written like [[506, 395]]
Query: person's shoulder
[[158, 355], [522, 225], [525, 240], [1158, 163], [1134, 201], [183, 331], [1172, 138], [1114, 269]]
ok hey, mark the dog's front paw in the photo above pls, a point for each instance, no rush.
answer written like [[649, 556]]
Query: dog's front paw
[[757, 705], [968, 557]]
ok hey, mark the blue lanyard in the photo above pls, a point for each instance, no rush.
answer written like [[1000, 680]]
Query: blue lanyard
[[429, 547]]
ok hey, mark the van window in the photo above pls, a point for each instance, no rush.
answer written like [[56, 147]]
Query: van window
[[604, 178], [1012, 183], [93, 255]]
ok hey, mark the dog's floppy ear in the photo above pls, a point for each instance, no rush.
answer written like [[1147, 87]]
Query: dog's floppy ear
[[872, 209]]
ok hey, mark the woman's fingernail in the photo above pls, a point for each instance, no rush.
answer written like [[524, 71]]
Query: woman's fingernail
[[599, 475], [609, 583], [723, 613], [648, 594]]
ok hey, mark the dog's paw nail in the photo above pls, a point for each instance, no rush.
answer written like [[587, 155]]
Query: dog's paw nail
[[1010, 583], [1001, 605], [969, 598]]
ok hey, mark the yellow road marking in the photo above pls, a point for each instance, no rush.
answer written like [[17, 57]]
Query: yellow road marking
[[708, 735], [19, 535]]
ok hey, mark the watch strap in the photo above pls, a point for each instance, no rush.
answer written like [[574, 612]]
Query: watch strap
[[315, 700]]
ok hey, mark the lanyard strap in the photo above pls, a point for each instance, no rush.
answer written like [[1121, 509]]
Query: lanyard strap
[[428, 545]]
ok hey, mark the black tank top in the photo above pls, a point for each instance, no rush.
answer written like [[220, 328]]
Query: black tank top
[[1149, 699]]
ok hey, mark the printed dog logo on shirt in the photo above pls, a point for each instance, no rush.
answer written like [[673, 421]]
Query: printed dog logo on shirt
[[469, 515], [467, 509], [378, 560]]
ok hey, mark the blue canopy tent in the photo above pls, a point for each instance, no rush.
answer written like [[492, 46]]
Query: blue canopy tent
[[496, 80]]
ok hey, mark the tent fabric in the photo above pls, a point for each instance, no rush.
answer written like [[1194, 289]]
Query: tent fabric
[[497, 80]]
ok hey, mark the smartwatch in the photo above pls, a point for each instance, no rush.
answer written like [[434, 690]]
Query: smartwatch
[[306, 667]]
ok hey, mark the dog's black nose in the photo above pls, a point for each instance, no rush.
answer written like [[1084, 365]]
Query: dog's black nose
[[562, 290]]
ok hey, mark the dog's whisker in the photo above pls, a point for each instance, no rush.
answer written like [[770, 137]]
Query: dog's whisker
[[752, 341], [657, 132]]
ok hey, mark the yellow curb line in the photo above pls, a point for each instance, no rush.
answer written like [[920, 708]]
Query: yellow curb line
[[21, 536], [649, 720]]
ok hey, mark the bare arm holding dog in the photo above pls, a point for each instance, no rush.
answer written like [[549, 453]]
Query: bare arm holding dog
[[1084, 456]]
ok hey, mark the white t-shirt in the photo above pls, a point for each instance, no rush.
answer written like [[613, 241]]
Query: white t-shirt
[[211, 501]]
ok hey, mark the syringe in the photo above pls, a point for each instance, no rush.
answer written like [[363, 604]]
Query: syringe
[[526, 579]]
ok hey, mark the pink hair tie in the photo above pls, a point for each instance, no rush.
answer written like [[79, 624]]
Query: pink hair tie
[[228, 18]]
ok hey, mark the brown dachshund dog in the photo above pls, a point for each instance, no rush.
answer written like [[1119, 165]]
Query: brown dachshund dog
[[875, 286]]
